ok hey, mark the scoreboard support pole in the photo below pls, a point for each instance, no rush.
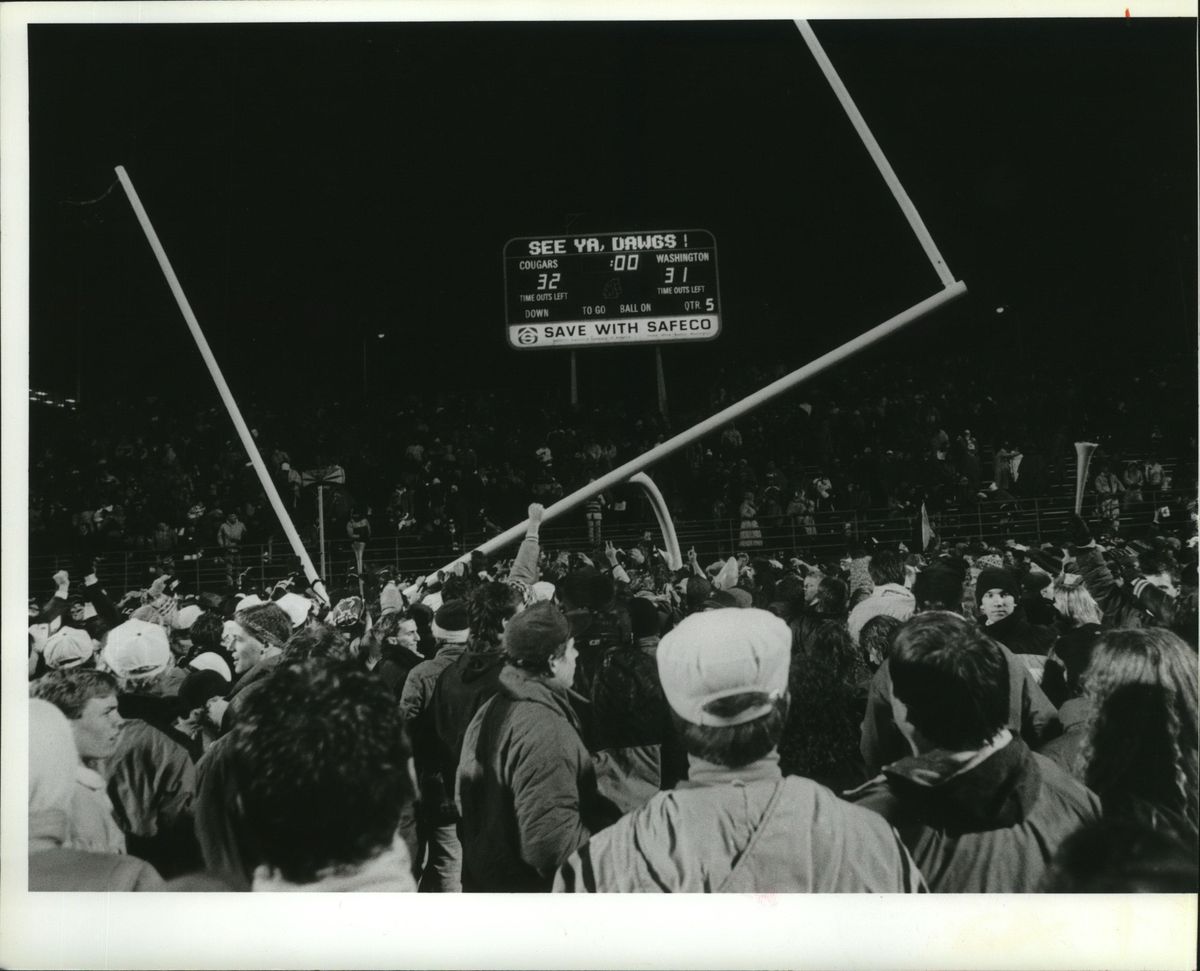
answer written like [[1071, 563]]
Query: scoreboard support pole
[[756, 400], [661, 380]]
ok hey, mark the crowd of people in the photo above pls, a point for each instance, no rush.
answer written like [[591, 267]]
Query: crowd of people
[[959, 718], [883, 437]]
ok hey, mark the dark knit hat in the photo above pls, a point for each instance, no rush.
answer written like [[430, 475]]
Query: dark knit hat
[[698, 590], [1034, 582], [451, 622], [939, 587], [993, 579], [198, 687], [643, 618], [267, 622], [532, 636]]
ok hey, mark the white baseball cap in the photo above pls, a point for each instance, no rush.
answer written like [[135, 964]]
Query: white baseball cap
[[720, 653]]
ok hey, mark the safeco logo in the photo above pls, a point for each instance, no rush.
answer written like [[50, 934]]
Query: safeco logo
[[527, 335]]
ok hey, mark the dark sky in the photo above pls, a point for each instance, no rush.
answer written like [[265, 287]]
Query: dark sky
[[315, 184]]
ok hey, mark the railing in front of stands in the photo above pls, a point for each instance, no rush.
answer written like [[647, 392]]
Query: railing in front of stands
[[1026, 521]]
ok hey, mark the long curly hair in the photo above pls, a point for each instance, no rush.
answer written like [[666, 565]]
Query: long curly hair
[[1140, 748], [821, 735]]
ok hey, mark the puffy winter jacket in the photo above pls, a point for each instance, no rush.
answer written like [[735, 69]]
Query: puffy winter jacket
[[526, 787]]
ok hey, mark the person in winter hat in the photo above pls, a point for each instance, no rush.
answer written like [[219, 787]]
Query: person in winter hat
[[259, 632], [998, 594]]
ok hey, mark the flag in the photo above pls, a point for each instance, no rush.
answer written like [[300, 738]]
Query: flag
[[927, 533], [329, 475]]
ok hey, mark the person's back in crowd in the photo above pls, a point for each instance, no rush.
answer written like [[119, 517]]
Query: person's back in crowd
[[321, 765], [890, 596], [526, 786], [440, 854], [1123, 855], [940, 588], [737, 824], [1139, 751], [151, 776], [636, 750], [54, 863], [461, 689], [821, 734], [587, 596], [979, 810], [229, 857]]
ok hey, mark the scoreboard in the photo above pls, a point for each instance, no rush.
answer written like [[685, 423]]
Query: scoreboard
[[611, 288]]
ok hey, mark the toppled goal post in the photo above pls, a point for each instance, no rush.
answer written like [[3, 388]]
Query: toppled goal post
[[633, 470]]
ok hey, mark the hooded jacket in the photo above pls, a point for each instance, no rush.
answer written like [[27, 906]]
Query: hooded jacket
[[1030, 714], [526, 787], [749, 830], [891, 599], [989, 828], [460, 691]]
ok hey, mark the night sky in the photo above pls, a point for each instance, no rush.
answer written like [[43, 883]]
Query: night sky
[[315, 185]]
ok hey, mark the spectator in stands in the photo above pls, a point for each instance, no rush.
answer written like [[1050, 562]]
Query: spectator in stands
[[1140, 750], [1108, 488], [749, 534], [890, 595], [88, 699], [322, 768], [737, 824], [229, 538], [979, 811], [526, 784], [54, 863]]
